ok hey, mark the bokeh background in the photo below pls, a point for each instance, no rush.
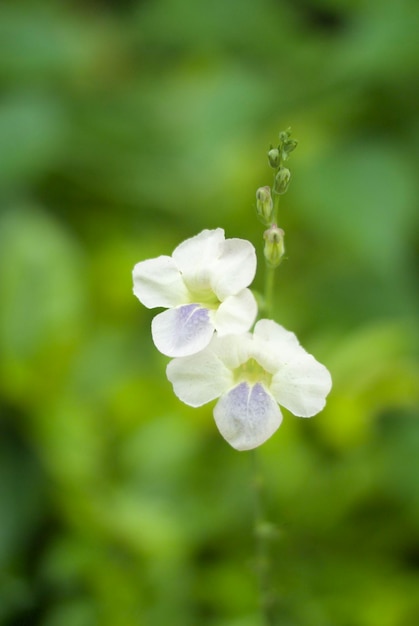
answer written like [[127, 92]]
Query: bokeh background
[[126, 127]]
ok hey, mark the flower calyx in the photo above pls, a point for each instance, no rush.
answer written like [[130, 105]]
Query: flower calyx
[[264, 205], [274, 249]]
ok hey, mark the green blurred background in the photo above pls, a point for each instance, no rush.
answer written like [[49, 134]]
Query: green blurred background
[[126, 127]]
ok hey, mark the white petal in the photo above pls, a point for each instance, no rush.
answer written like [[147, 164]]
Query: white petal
[[247, 416], [232, 350], [235, 268], [200, 378], [271, 331], [182, 331], [158, 282], [274, 345], [301, 385], [236, 314], [196, 256]]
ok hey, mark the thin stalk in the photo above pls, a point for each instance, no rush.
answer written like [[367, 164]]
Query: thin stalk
[[265, 531], [263, 536], [269, 290], [276, 198]]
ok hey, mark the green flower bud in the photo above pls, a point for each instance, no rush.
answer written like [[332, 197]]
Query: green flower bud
[[282, 180], [284, 135], [274, 249], [286, 144], [274, 158], [264, 205], [287, 147]]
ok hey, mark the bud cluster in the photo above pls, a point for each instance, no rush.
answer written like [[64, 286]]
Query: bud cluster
[[267, 198]]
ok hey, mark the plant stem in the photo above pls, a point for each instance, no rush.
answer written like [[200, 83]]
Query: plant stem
[[264, 533], [269, 290], [276, 198]]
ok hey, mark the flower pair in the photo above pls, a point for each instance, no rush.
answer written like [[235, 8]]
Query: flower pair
[[204, 287]]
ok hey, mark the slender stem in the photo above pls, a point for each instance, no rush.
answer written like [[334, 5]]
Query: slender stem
[[263, 536], [265, 532], [276, 198], [269, 290], [262, 528]]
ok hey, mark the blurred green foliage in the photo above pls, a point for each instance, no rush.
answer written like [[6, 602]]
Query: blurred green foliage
[[126, 127]]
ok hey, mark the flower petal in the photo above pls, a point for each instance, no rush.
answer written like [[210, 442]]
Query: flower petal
[[301, 385], [199, 378], [158, 282], [235, 268], [182, 331], [232, 350], [236, 314], [247, 416], [274, 345], [273, 332], [195, 257], [204, 248]]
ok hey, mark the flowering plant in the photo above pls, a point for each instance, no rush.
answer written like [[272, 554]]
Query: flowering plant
[[210, 311]]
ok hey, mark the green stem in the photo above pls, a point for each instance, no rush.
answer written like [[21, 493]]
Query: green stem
[[276, 198], [269, 290], [263, 529], [263, 535]]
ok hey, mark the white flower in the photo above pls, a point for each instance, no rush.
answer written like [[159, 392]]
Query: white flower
[[203, 286], [252, 374]]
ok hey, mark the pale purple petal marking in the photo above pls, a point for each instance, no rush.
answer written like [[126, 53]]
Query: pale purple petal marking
[[247, 416], [182, 331]]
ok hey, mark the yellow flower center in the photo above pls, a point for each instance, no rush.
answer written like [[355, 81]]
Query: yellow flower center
[[252, 372], [205, 297]]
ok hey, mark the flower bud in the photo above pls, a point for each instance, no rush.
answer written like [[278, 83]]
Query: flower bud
[[264, 205], [274, 158], [284, 135], [287, 147], [274, 249], [282, 180]]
